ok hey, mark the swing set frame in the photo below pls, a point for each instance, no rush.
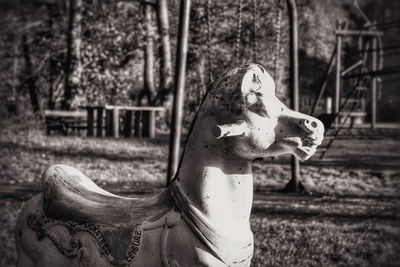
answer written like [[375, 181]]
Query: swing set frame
[[294, 184]]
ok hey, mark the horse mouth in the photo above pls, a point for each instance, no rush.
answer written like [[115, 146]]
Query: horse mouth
[[307, 147], [311, 141]]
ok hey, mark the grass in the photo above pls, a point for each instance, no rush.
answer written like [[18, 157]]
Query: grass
[[311, 242], [353, 220], [27, 152]]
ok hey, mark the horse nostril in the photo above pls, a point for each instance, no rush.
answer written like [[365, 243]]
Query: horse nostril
[[314, 124]]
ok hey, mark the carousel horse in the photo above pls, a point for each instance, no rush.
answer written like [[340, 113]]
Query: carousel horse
[[202, 218]]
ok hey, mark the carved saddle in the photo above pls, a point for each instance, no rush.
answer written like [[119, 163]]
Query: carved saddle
[[70, 195], [97, 228]]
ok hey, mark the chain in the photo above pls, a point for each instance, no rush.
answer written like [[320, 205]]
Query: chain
[[277, 26], [239, 30], [209, 51], [255, 16]]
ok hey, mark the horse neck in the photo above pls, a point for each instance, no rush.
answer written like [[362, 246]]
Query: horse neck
[[215, 182]]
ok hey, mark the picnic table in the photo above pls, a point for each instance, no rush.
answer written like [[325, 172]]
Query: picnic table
[[137, 119], [64, 121]]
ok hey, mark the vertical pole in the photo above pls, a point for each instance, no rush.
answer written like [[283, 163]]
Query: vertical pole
[[373, 82], [294, 77], [177, 112], [338, 70], [360, 44], [294, 184], [90, 121], [145, 123], [138, 119], [100, 121], [128, 124], [115, 122], [152, 123], [108, 122], [328, 105]]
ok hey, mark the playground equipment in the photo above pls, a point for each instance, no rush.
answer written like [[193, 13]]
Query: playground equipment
[[360, 78], [362, 70], [202, 218], [183, 33]]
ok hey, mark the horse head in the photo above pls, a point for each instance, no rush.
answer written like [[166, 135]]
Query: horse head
[[253, 122]]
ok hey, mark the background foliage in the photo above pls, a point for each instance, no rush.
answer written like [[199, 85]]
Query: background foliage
[[112, 56]]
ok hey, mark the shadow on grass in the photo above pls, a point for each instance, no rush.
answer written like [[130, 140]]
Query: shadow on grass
[[80, 153], [309, 214], [353, 161]]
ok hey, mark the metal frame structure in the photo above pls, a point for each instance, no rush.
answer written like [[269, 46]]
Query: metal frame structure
[[340, 34], [180, 72]]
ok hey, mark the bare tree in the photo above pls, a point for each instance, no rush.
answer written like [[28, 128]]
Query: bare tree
[[149, 83], [52, 62], [73, 68], [17, 41], [30, 75], [166, 61]]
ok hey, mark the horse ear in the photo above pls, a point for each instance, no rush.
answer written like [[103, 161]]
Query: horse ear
[[256, 83], [257, 76], [267, 83]]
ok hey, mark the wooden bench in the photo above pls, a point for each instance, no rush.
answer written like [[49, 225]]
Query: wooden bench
[[63, 121], [144, 120]]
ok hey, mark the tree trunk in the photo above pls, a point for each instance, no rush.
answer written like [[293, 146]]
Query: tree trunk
[[73, 68], [16, 56], [15, 67], [203, 84], [52, 65], [166, 61], [149, 87], [30, 76], [52, 62]]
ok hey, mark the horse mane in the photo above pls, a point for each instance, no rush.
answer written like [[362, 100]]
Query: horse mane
[[219, 96]]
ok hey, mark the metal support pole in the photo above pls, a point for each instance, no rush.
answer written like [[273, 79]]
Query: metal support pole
[[374, 81], [294, 185], [338, 73], [180, 73], [294, 74]]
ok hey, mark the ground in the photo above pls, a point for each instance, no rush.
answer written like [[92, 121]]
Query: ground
[[351, 216]]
